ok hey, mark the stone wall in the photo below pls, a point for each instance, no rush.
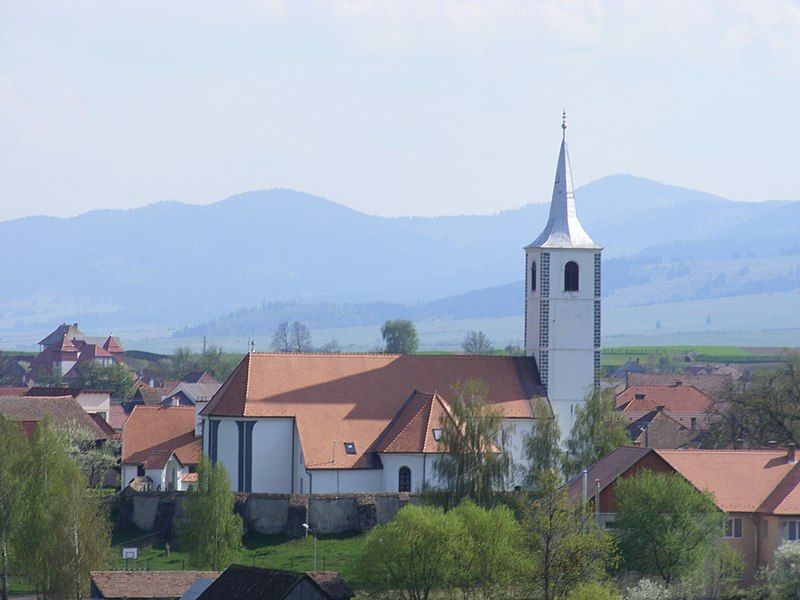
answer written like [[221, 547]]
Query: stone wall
[[269, 513]]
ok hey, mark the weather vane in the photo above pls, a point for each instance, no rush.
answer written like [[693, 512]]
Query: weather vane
[[564, 121]]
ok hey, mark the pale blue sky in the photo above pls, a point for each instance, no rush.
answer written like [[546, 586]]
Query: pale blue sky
[[393, 108]]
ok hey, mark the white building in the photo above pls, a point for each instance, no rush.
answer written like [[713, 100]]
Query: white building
[[309, 423], [562, 301]]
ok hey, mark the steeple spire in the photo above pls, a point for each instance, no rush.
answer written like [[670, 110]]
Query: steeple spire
[[563, 230]]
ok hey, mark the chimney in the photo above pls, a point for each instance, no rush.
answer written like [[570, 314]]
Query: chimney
[[638, 443], [791, 453], [585, 495], [772, 444]]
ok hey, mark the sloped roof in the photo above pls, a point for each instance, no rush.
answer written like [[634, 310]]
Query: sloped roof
[[741, 480], [60, 410], [411, 431], [711, 385], [149, 395], [117, 416], [150, 431], [607, 469], [195, 391], [238, 582], [199, 377], [58, 334], [675, 399], [112, 345], [147, 584], [103, 425], [337, 398], [332, 584]]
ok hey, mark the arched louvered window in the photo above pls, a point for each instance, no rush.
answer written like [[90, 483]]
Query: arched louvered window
[[533, 276], [404, 480], [571, 277]]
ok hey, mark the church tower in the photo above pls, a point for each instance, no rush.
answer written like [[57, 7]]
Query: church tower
[[562, 300]]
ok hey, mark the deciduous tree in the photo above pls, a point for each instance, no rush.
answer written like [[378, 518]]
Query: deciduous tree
[[542, 449], [475, 462], [291, 337], [212, 533], [476, 342], [598, 429], [400, 337], [92, 459], [12, 487], [666, 526], [116, 377]]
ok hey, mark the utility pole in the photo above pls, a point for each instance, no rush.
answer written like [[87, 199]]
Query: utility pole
[[205, 341]]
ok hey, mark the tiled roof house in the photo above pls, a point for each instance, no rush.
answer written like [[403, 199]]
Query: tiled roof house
[[152, 585]]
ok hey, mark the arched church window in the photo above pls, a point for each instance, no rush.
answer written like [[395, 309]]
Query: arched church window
[[404, 480], [571, 277], [533, 276]]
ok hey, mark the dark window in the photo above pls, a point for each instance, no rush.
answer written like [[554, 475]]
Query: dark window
[[533, 276], [437, 434], [694, 423], [350, 447], [140, 470], [192, 469], [404, 480], [571, 277]]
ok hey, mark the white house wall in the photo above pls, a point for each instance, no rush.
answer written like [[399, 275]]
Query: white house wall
[[272, 455], [128, 474], [95, 403]]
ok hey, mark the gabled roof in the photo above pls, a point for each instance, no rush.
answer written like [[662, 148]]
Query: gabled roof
[[607, 469], [711, 385], [238, 582], [103, 425], [199, 377], [150, 431], [338, 398], [149, 395], [59, 333], [741, 480], [147, 584], [112, 345], [411, 431], [59, 410], [195, 392], [676, 399], [117, 416], [563, 229]]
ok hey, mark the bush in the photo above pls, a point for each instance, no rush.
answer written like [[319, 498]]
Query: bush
[[594, 591], [785, 577], [647, 589]]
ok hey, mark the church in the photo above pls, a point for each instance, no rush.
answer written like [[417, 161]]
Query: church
[[356, 423]]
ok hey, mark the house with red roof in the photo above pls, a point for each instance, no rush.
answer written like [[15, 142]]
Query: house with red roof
[[757, 489], [684, 403]]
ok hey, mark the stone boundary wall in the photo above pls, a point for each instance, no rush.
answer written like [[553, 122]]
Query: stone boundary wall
[[162, 512]]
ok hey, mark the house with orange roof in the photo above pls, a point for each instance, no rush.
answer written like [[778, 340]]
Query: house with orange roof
[[159, 443], [685, 403], [758, 490]]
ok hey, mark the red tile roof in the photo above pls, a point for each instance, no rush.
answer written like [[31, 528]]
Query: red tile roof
[[59, 410], [354, 397], [112, 345], [150, 431], [147, 584], [710, 385], [103, 425], [13, 391], [411, 431], [117, 416], [677, 399], [607, 469], [741, 480]]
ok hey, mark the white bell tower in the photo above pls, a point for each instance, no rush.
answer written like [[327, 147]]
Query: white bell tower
[[562, 300]]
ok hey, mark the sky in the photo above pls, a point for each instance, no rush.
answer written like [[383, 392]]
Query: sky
[[414, 107]]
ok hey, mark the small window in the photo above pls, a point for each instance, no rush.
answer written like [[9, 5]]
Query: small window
[[437, 434], [192, 469], [610, 525], [793, 531], [571, 277], [694, 423], [404, 480], [140, 470], [733, 527], [350, 447], [533, 276]]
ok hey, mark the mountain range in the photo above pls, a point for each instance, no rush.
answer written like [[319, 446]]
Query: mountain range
[[263, 256]]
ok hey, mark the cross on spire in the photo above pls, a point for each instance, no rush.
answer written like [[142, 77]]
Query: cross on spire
[[564, 123]]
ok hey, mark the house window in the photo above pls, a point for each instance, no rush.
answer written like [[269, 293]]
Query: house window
[[793, 530], [140, 470], [610, 525], [437, 434], [404, 480], [571, 277], [350, 447], [533, 276], [733, 527], [694, 423]]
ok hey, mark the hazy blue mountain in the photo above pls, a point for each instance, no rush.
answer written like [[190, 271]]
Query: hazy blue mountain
[[178, 264]]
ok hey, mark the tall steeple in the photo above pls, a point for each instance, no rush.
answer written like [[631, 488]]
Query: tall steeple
[[563, 229]]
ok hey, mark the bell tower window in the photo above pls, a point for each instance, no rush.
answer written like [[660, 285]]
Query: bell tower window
[[571, 277], [533, 276]]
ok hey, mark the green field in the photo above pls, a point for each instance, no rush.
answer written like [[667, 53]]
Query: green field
[[614, 357], [334, 553]]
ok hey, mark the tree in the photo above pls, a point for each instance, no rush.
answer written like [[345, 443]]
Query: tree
[[12, 477], [331, 347], [212, 359], [489, 556], [92, 459], [475, 462], [666, 526], [67, 534], [400, 337], [48, 377], [291, 337], [567, 546], [212, 533], [9, 369], [116, 377], [514, 349], [785, 577], [412, 555], [759, 410], [598, 429], [476, 342], [542, 449]]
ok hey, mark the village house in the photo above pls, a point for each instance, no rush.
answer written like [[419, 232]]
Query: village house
[[684, 403], [757, 489], [141, 585], [160, 448], [94, 402], [656, 429], [238, 582], [61, 411], [312, 423], [712, 385], [67, 347]]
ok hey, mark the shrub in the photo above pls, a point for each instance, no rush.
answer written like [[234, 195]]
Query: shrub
[[647, 589], [594, 591], [785, 577]]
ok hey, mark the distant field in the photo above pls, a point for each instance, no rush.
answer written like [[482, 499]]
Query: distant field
[[614, 357]]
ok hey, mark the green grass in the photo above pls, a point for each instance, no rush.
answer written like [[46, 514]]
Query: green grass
[[614, 357], [334, 553]]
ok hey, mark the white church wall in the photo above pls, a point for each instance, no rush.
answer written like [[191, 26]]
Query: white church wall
[[345, 481], [228, 449], [517, 429], [272, 455], [301, 480], [128, 474]]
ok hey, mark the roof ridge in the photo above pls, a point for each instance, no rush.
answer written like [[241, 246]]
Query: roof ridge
[[382, 355], [408, 424]]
